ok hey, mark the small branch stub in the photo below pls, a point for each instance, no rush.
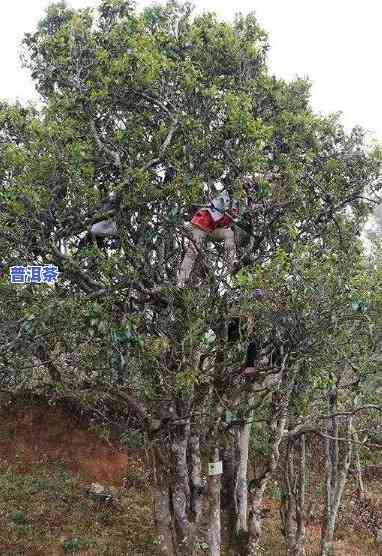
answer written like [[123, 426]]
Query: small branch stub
[[215, 468]]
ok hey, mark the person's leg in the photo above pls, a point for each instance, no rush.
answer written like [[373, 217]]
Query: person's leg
[[192, 252], [230, 248], [228, 236], [250, 367], [105, 228]]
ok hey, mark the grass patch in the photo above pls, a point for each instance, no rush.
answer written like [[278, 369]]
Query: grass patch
[[47, 512]]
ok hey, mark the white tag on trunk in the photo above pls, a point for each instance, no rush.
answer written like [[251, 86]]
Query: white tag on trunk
[[215, 468]]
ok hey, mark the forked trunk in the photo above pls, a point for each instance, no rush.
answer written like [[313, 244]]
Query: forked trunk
[[162, 511], [292, 508], [176, 530], [336, 476]]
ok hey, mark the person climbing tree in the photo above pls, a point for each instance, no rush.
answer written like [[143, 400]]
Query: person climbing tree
[[99, 231], [105, 228], [215, 222], [238, 325]]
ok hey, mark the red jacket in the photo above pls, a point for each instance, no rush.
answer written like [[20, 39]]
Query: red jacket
[[219, 214], [203, 220]]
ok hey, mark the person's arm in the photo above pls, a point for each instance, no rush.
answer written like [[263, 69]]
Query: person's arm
[[256, 206], [220, 205]]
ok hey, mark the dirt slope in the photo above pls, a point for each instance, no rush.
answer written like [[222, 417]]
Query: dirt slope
[[49, 435], [48, 458]]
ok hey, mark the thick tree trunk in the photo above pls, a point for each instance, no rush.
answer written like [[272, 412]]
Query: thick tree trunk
[[255, 522], [162, 512], [214, 487], [181, 496], [235, 479], [334, 490], [256, 493], [163, 521], [228, 498], [195, 476], [293, 501], [176, 531], [296, 483], [299, 548], [331, 459], [288, 498], [328, 534], [278, 425], [241, 494]]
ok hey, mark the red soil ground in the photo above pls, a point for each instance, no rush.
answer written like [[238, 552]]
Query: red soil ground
[[49, 435]]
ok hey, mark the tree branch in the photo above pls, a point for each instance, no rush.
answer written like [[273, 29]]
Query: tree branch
[[114, 155], [42, 354]]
